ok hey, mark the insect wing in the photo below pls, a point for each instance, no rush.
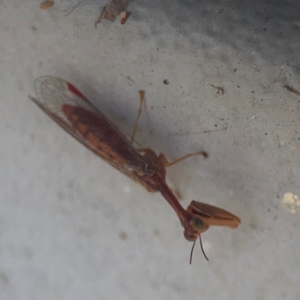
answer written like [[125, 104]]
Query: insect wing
[[54, 93]]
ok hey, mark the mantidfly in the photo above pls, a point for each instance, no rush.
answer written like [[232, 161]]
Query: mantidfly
[[67, 106]]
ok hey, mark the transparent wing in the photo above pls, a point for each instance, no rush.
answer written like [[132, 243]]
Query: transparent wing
[[53, 93]]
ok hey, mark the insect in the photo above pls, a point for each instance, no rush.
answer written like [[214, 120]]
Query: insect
[[67, 106]]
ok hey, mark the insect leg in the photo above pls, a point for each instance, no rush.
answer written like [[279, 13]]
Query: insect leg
[[168, 164], [163, 160], [136, 123]]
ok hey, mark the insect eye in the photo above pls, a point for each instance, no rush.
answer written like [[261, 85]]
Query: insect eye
[[198, 224]]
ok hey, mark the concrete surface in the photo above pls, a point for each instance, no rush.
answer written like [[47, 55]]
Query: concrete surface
[[72, 227]]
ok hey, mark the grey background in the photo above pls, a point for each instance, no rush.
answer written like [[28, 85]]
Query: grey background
[[63, 211]]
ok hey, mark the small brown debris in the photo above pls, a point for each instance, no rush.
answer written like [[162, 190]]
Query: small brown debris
[[292, 90], [129, 78], [156, 232], [46, 4], [122, 235], [220, 90], [124, 16], [166, 82], [112, 10]]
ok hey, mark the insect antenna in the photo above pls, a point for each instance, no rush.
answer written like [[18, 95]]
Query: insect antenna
[[202, 247], [192, 250]]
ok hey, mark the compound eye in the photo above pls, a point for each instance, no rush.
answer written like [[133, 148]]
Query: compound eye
[[195, 228], [197, 224]]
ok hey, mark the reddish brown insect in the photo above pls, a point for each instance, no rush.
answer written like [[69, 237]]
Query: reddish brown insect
[[66, 105]]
